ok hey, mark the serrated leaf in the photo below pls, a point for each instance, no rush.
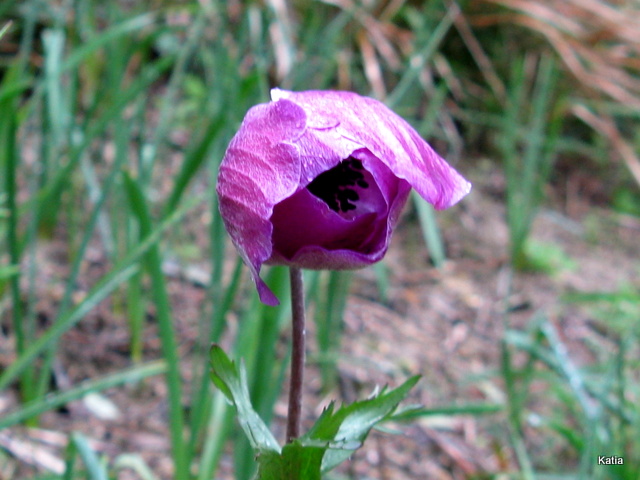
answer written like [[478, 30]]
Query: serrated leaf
[[344, 430], [296, 462], [232, 381]]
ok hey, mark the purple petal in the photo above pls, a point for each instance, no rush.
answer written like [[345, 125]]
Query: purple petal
[[260, 168], [304, 228], [268, 181], [370, 124], [395, 190]]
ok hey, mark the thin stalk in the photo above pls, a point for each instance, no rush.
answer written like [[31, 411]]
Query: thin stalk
[[297, 354]]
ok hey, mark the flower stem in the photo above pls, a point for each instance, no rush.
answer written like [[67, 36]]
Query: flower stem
[[297, 354]]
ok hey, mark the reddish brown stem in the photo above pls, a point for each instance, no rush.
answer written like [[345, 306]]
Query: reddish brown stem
[[297, 354]]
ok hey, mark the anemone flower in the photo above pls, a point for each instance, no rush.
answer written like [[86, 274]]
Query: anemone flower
[[317, 179]]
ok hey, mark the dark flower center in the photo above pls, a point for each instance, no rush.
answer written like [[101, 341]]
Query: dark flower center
[[337, 187]]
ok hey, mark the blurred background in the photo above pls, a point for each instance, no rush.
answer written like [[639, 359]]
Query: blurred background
[[520, 306]]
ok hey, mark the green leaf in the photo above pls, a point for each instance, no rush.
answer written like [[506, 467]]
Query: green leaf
[[193, 161], [333, 439], [295, 462], [232, 381], [4, 29], [57, 399], [136, 463], [343, 431], [95, 468], [419, 411], [9, 271], [430, 230]]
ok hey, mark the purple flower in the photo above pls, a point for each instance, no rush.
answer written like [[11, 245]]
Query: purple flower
[[317, 180]]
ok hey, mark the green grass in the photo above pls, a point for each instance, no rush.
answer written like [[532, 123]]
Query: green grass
[[584, 411], [95, 100], [528, 144]]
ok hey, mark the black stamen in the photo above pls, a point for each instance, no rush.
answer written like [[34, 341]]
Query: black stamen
[[335, 186]]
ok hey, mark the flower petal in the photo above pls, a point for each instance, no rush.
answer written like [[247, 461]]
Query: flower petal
[[395, 190], [283, 146], [260, 168], [308, 234], [370, 124], [304, 224]]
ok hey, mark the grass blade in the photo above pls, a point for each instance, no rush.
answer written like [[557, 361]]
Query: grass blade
[[57, 399], [9, 159], [430, 230], [153, 263], [120, 273], [95, 468]]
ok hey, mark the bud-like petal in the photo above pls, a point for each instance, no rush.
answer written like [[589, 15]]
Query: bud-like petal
[[317, 180]]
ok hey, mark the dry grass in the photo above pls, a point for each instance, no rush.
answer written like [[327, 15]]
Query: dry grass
[[598, 43]]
